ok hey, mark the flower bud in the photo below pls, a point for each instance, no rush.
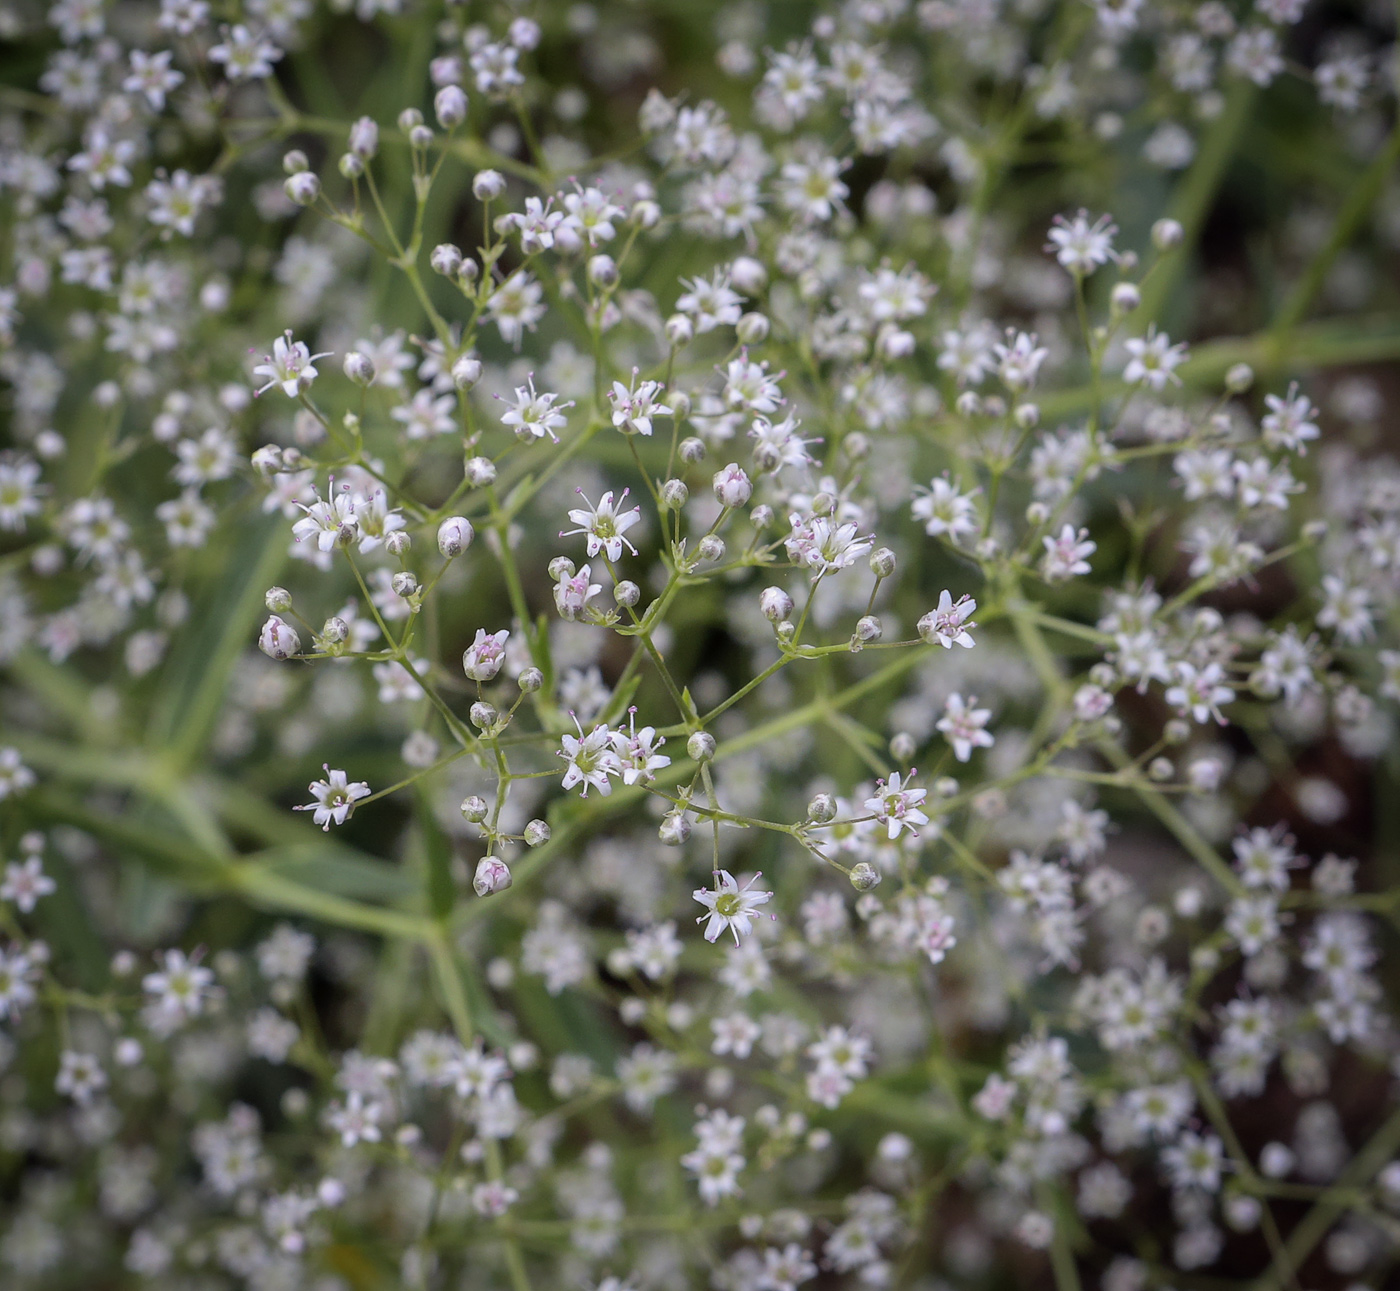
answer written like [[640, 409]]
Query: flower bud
[[480, 472], [359, 368], [856, 446], [561, 567], [278, 600], [646, 214], [602, 271], [303, 188], [487, 185], [446, 259], [902, 747], [350, 166], [278, 640], [537, 833], [692, 450], [404, 583], [335, 631], [466, 372], [775, 603], [674, 494], [864, 876], [1027, 415], [454, 536], [1160, 769], [531, 680], [748, 275], [450, 106], [492, 875], [822, 809], [295, 161], [675, 829], [732, 486], [627, 593], [679, 330], [969, 403], [410, 118], [1239, 378], [364, 139], [267, 460], [483, 715], [752, 329], [701, 746], [882, 562], [710, 547], [398, 543], [868, 628], [1167, 234], [761, 517], [1125, 298]]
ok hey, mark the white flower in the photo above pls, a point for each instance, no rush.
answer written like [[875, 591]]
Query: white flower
[[289, 365], [636, 751], [1199, 692], [179, 987], [1082, 247], [328, 520], [948, 625], [1067, 555], [945, 509], [1153, 359], [335, 798], [604, 525], [590, 759], [896, 805], [536, 415], [25, 882], [963, 725], [636, 405], [731, 907]]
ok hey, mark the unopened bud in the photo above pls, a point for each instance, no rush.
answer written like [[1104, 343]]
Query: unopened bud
[[487, 185], [1239, 378], [295, 161], [692, 450], [303, 188], [868, 628], [674, 830], [732, 486], [454, 536], [466, 372], [679, 330], [701, 746], [752, 328], [627, 593], [602, 271], [1167, 234], [359, 368], [537, 833], [822, 809], [902, 747], [1125, 298], [278, 640], [475, 808], [483, 715], [531, 680], [335, 631], [404, 583], [710, 547], [864, 876], [674, 494], [450, 106], [775, 603], [278, 600], [446, 259], [882, 562], [492, 875]]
